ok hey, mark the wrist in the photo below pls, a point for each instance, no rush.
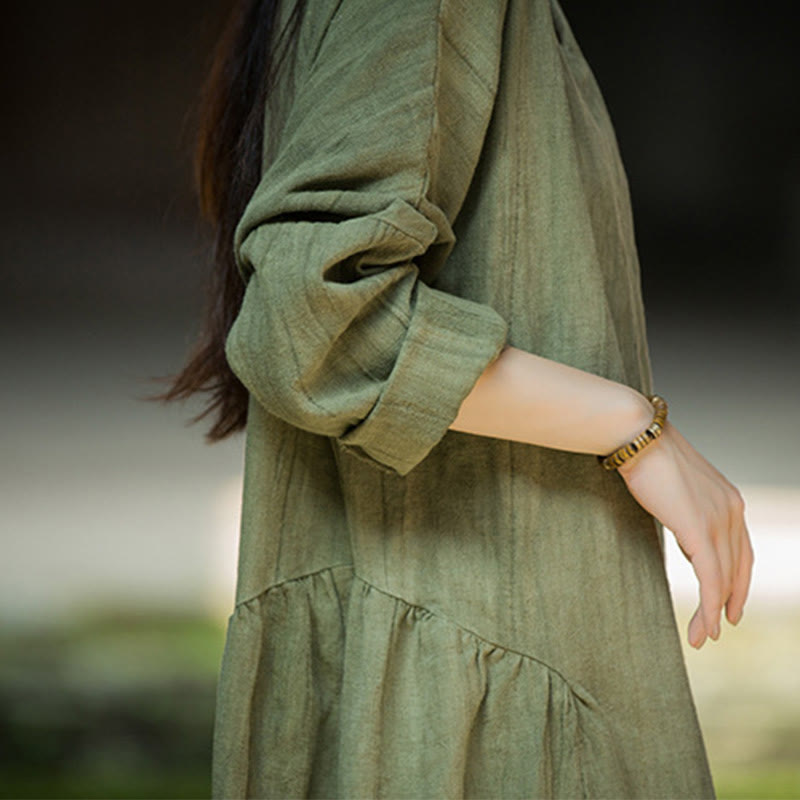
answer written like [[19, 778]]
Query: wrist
[[629, 455], [633, 463], [638, 416]]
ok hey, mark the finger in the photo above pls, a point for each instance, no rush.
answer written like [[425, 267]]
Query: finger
[[707, 568], [741, 586], [697, 630], [739, 531], [728, 567], [737, 535], [728, 542], [743, 563]]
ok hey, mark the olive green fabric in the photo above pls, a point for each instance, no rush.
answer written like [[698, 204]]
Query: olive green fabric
[[421, 612]]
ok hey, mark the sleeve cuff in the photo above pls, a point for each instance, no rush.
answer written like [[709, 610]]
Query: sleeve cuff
[[450, 342]]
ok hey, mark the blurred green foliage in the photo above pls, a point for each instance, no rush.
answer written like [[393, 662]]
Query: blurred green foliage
[[767, 782], [113, 706]]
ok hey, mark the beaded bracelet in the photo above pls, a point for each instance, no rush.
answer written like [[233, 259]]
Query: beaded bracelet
[[628, 451]]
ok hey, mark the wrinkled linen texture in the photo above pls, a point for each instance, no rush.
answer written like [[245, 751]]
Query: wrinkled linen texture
[[421, 612]]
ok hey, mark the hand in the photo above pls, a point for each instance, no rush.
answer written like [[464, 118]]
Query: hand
[[705, 512]]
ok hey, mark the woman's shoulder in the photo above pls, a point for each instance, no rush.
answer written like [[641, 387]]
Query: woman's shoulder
[[433, 29]]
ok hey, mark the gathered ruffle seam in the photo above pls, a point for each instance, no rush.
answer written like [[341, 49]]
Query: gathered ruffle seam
[[280, 584], [578, 691]]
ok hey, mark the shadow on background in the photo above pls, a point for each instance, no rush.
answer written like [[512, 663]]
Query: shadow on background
[[120, 525]]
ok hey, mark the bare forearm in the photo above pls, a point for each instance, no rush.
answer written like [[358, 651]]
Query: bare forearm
[[527, 398]]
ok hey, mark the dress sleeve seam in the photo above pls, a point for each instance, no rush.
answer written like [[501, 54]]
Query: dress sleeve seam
[[489, 89], [434, 118]]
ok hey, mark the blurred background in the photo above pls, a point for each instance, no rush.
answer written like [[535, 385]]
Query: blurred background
[[119, 525]]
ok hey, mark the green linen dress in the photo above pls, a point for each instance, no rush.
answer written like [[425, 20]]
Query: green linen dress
[[421, 612]]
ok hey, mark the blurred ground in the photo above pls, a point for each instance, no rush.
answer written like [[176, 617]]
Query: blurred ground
[[747, 692]]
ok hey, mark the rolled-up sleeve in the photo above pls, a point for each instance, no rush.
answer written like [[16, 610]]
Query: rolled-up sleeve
[[341, 331]]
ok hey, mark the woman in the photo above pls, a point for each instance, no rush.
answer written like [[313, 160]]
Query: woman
[[429, 314]]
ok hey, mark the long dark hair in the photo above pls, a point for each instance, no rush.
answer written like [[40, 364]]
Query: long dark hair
[[227, 161]]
